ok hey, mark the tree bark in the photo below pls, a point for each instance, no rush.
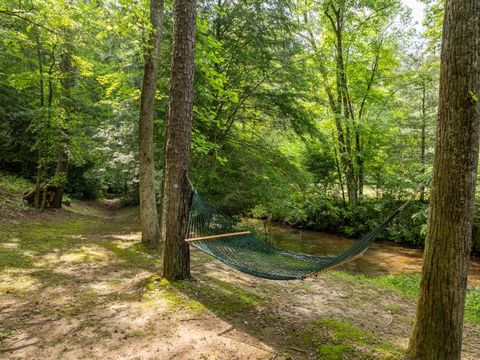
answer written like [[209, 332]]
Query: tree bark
[[148, 205], [176, 264], [438, 330]]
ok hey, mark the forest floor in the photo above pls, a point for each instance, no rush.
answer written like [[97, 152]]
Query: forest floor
[[77, 284]]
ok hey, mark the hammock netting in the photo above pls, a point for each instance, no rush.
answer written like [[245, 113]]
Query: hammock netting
[[248, 253]]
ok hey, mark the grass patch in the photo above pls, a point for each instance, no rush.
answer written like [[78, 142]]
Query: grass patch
[[405, 284], [93, 209], [472, 305], [11, 188], [335, 339], [14, 184], [222, 298], [159, 289], [408, 285], [133, 254], [33, 243], [334, 352], [343, 331], [19, 246]]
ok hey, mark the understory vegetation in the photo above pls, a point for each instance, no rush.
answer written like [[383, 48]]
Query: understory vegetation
[[316, 211]]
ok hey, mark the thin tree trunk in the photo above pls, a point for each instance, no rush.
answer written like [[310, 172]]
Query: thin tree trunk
[[378, 178], [339, 172], [343, 108], [358, 124], [423, 140], [439, 326], [360, 160], [41, 143], [61, 170], [40, 195], [148, 205], [43, 204], [176, 264]]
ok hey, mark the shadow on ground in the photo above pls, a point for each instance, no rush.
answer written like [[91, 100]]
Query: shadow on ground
[[83, 287]]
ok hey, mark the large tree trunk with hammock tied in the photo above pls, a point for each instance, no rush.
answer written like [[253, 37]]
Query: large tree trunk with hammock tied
[[148, 205], [176, 264], [439, 325]]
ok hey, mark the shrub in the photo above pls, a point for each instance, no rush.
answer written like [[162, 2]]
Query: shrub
[[316, 210]]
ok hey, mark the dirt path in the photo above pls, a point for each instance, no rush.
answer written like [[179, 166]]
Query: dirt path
[[78, 285]]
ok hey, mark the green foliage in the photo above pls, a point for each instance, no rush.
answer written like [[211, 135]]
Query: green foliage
[[321, 163], [41, 116], [83, 183], [265, 138], [472, 305], [14, 183], [313, 208]]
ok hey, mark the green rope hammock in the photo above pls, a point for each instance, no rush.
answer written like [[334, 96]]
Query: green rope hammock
[[224, 239]]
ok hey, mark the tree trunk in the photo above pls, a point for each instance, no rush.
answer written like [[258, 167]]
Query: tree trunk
[[65, 102], [339, 172], [423, 142], [176, 264], [61, 172], [148, 204], [439, 326], [343, 109], [41, 142]]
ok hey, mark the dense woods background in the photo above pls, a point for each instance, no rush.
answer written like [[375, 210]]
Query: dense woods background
[[320, 114]]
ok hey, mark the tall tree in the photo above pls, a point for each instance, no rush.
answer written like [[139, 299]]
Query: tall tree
[[439, 326], [353, 55], [61, 170], [176, 263], [148, 204]]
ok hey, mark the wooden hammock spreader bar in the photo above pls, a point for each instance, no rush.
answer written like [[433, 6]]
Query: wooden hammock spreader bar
[[217, 236]]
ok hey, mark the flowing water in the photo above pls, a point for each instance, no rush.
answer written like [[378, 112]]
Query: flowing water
[[381, 258]]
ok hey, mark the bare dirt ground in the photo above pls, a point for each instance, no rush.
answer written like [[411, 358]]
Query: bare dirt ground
[[77, 284]]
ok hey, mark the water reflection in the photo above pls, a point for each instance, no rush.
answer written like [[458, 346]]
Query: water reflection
[[380, 259]]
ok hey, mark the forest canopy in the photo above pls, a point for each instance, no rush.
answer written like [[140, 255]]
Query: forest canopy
[[320, 113]]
